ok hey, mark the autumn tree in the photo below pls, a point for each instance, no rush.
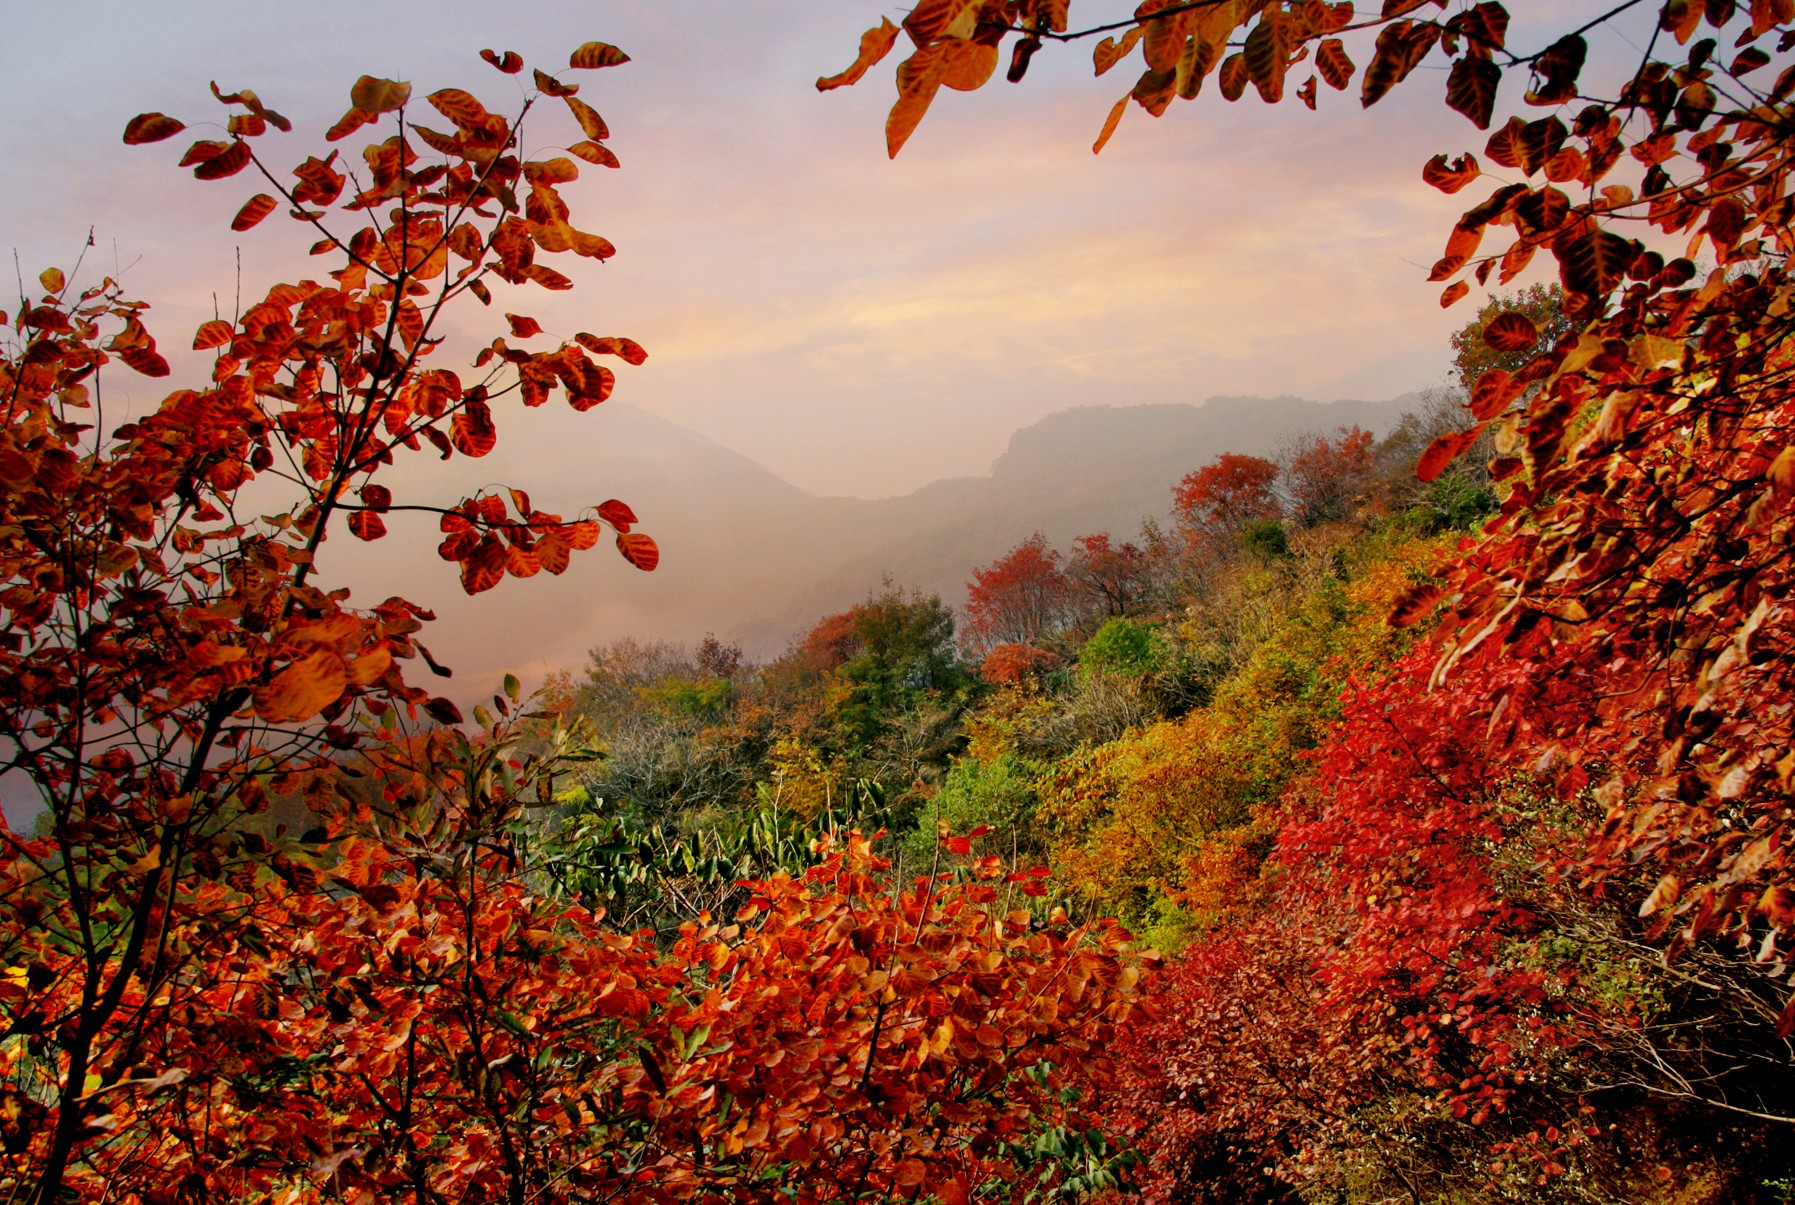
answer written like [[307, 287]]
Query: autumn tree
[[1326, 478], [1114, 578], [1215, 503], [170, 661], [400, 1002], [1019, 598], [1476, 349]]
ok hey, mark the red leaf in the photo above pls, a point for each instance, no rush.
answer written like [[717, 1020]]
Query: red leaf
[[151, 127], [511, 63], [227, 163], [1413, 604], [639, 550], [1510, 331], [366, 525], [253, 211], [144, 360], [617, 514], [628, 350], [483, 567], [522, 327]]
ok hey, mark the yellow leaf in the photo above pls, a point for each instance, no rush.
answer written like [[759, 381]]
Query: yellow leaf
[[303, 689]]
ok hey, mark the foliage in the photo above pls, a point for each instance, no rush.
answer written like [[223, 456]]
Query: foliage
[[1638, 559], [1122, 647], [1324, 477], [1115, 578], [1018, 598], [162, 647], [1473, 352], [415, 998], [997, 794], [1217, 502]]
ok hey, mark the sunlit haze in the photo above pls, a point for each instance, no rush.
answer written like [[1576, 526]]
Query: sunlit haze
[[858, 326]]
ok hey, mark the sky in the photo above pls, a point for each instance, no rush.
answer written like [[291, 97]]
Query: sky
[[857, 325]]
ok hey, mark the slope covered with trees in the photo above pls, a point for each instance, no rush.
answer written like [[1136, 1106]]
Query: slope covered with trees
[[1449, 771]]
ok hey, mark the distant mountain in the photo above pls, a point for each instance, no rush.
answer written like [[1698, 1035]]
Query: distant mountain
[[754, 559]]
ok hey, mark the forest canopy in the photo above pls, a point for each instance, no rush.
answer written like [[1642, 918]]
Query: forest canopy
[[1445, 778]]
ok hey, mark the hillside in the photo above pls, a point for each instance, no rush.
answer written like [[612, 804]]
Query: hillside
[[755, 559]]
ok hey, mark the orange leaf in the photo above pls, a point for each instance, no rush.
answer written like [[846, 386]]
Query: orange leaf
[[303, 689], [629, 350], [551, 171], [967, 65], [371, 95], [875, 44], [588, 117], [582, 535], [511, 63], [215, 333], [1454, 291], [1442, 451], [594, 55], [551, 551], [639, 550], [547, 277], [471, 430], [1109, 125], [370, 666], [1413, 604], [1493, 392], [522, 327], [551, 86], [593, 152], [461, 108], [918, 79], [151, 127], [1450, 178], [253, 211]]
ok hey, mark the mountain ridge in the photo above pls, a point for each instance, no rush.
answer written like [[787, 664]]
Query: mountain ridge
[[757, 560]]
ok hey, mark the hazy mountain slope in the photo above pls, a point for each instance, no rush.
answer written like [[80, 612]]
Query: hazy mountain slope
[[752, 558], [1091, 469]]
